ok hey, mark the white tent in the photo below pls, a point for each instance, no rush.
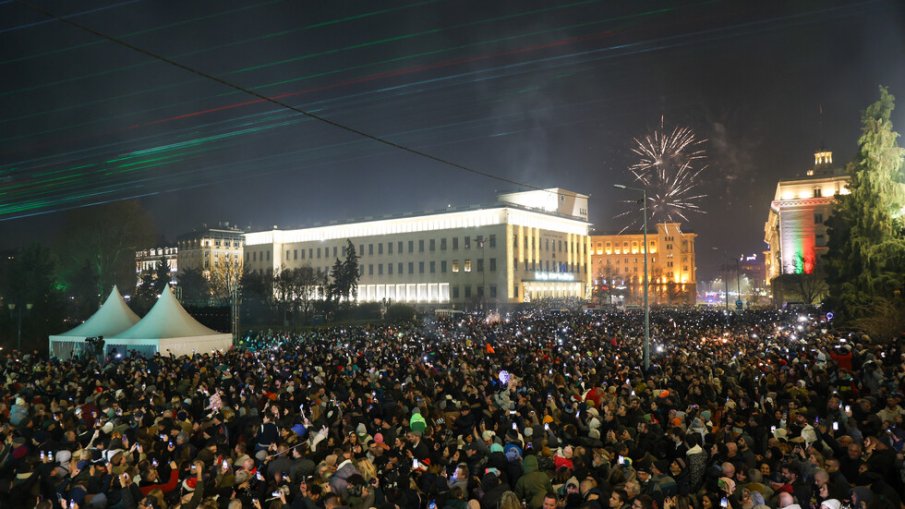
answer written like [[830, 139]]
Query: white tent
[[113, 317], [168, 328]]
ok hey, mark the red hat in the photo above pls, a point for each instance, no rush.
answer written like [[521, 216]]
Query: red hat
[[190, 483]]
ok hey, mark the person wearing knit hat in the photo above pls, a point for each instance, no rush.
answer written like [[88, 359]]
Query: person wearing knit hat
[[63, 458], [190, 484], [417, 422], [379, 442], [830, 503]]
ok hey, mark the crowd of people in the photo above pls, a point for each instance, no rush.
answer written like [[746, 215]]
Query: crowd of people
[[538, 409]]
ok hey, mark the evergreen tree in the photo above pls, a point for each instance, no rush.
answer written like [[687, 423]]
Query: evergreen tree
[[145, 295], [338, 287], [350, 270], [865, 263], [161, 275]]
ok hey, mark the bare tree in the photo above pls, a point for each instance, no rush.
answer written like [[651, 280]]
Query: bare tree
[[295, 290], [807, 279], [225, 277]]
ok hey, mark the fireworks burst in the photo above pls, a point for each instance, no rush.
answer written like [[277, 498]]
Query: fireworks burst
[[668, 168]]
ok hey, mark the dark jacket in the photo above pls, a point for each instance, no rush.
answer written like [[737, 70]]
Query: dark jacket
[[533, 484]]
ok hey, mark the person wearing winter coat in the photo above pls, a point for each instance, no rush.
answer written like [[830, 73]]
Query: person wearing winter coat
[[534, 484]]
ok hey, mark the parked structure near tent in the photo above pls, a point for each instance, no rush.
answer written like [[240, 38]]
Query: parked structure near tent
[[167, 329], [113, 317]]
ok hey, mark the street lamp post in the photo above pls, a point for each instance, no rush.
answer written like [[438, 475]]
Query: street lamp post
[[12, 307], [738, 277], [646, 346]]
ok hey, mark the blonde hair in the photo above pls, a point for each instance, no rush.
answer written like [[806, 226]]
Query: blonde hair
[[510, 500], [157, 493], [367, 469]]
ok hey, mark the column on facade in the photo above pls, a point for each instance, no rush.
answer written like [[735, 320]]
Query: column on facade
[[508, 254], [569, 239], [521, 246], [536, 236]]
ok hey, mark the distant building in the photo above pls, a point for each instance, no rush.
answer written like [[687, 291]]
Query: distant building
[[147, 260], [795, 231], [753, 268], [526, 247], [213, 251], [617, 262]]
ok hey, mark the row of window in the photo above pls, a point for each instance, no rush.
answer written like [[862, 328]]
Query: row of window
[[431, 267], [430, 245], [479, 291], [207, 243], [530, 244], [546, 266], [389, 247]]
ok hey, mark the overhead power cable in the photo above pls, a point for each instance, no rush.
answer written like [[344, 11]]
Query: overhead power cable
[[277, 102]]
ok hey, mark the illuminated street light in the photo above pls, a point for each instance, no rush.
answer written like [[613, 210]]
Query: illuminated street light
[[646, 348], [12, 308]]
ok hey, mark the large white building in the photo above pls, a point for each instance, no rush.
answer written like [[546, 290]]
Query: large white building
[[528, 246]]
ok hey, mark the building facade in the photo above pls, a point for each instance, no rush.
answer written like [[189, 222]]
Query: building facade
[[526, 247], [147, 259], [216, 252], [795, 231], [618, 265]]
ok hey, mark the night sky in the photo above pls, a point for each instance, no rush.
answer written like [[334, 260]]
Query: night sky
[[547, 94]]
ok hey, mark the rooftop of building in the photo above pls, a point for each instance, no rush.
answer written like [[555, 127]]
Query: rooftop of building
[[823, 169], [542, 208], [223, 230], [654, 231]]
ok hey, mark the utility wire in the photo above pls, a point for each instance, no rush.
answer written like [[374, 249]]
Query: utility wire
[[272, 100]]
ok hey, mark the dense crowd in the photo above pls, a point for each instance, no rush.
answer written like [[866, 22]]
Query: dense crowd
[[539, 409]]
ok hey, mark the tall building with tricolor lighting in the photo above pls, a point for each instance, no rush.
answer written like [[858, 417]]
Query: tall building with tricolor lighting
[[795, 231]]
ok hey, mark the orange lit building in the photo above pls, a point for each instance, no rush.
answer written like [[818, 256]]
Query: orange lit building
[[617, 264]]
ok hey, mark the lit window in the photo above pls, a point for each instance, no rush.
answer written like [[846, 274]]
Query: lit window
[[467, 267], [455, 266]]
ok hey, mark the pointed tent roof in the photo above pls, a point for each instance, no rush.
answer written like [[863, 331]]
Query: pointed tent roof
[[114, 316], [167, 319]]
